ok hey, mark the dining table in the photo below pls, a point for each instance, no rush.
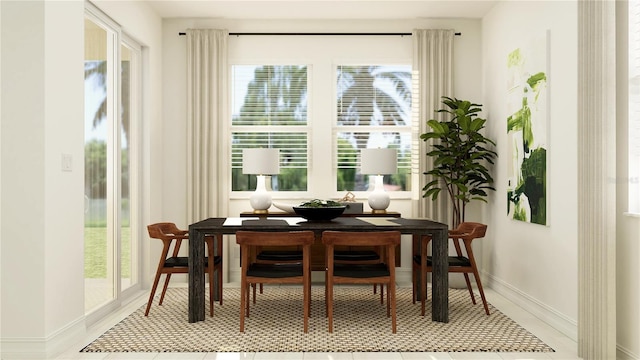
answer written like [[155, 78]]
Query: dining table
[[220, 226]]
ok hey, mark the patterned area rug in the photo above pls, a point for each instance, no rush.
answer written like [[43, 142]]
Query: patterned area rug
[[275, 325]]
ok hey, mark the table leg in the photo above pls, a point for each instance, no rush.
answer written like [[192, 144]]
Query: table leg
[[196, 275], [440, 276], [416, 248], [218, 252]]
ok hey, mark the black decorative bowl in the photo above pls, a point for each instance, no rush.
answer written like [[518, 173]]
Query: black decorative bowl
[[327, 213]]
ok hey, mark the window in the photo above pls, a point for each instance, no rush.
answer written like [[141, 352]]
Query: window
[[320, 99], [634, 108], [269, 110], [373, 111]]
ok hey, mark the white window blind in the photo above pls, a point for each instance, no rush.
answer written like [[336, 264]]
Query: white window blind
[[373, 111]]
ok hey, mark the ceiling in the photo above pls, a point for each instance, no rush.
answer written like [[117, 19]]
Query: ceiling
[[321, 9]]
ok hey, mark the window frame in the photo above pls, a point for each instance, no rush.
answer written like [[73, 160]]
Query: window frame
[[406, 129], [245, 194], [321, 55]]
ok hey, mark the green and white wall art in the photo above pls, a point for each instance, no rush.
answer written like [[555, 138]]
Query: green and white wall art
[[527, 126]]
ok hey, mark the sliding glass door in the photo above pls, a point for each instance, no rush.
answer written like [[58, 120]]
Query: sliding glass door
[[111, 244]]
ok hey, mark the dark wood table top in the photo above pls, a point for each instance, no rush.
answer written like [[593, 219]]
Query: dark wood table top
[[406, 226]]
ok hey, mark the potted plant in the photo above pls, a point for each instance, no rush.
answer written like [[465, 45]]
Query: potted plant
[[460, 155]]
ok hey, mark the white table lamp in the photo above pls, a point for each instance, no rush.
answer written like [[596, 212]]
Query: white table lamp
[[260, 162], [378, 162]]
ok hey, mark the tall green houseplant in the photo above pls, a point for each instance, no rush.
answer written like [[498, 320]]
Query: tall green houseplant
[[460, 157]]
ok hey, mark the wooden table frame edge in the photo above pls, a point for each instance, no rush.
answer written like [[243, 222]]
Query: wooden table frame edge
[[440, 274]]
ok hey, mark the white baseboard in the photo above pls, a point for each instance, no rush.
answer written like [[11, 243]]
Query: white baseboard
[[43, 347], [623, 353], [547, 314], [24, 348]]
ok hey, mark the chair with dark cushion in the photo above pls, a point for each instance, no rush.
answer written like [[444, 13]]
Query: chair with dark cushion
[[382, 273], [170, 235], [340, 256], [254, 272], [284, 256], [364, 256], [465, 232], [275, 257]]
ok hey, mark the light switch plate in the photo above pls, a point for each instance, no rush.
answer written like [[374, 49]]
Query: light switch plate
[[67, 162]]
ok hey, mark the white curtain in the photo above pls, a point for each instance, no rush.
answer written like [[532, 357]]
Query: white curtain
[[433, 61], [206, 108]]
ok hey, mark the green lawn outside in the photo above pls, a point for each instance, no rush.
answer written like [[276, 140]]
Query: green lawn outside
[[95, 252]]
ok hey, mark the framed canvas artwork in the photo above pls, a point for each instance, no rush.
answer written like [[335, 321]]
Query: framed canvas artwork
[[527, 130]]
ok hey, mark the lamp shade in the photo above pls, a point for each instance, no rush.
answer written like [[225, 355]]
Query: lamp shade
[[260, 161], [378, 161]]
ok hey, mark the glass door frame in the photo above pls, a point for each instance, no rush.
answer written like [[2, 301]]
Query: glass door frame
[[116, 39], [135, 166]]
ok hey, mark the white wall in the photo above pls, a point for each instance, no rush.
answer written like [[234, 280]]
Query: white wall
[[532, 264], [23, 192], [42, 206], [42, 246], [63, 238]]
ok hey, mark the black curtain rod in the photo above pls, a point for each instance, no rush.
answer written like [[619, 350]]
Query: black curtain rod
[[314, 34]]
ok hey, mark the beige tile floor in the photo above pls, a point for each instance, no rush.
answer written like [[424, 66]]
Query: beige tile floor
[[564, 346]]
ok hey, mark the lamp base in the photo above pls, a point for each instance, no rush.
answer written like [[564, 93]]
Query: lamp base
[[378, 199], [260, 200]]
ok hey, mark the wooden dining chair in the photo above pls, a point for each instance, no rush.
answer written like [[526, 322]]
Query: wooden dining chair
[[466, 232], [376, 273], [170, 235], [274, 273], [345, 255]]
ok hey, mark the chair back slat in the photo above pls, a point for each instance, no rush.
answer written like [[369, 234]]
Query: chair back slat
[[258, 238], [166, 231], [471, 230], [381, 238]]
